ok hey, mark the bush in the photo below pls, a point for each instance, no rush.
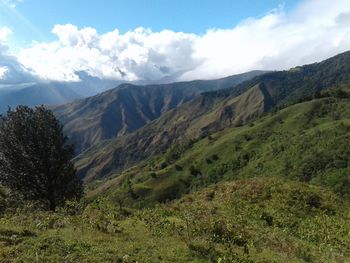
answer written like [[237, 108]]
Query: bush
[[195, 171], [215, 157], [314, 164], [178, 167], [163, 165]]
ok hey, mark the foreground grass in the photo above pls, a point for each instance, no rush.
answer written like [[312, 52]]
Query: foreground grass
[[276, 190], [255, 220]]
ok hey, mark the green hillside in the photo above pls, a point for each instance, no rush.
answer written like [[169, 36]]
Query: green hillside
[[273, 190], [306, 142], [258, 173], [256, 220], [190, 121], [212, 112], [303, 81]]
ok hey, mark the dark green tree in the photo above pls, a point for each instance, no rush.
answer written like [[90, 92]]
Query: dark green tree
[[35, 160]]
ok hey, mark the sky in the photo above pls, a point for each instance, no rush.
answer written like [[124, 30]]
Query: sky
[[190, 16], [155, 39]]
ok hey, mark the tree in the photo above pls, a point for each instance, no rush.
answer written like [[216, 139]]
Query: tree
[[120, 197], [35, 160]]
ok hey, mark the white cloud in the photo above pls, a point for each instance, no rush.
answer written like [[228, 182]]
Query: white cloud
[[315, 30], [11, 71], [138, 54], [10, 3], [3, 71], [5, 32]]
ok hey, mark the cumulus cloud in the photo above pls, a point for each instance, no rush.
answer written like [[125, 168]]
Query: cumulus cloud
[[3, 71], [138, 54], [11, 71], [315, 30], [4, 33]]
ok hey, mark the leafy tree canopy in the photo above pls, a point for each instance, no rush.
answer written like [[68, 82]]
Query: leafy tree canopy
[[35, 160]]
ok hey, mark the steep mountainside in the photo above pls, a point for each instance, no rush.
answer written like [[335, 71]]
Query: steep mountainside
[[306, 142], [213, 111], [193, 119], [128, 107]]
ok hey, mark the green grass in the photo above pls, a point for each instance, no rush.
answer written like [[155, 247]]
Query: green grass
[[249, 220], [306, 142], [276, 190]]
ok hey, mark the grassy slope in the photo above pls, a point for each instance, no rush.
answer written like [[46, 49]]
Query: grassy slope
[[247, 203], [255, 220], [213, 112], [307, 142], [207, 114]]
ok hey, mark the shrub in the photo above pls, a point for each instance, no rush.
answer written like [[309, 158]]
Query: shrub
[[178, 167], [195, 171], [215, 157]]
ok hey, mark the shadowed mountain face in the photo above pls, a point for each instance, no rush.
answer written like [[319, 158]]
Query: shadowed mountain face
[[211, 112], [128, 107]]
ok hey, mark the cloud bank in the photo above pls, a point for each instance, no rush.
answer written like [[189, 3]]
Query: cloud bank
[[11, 71], [138, 54], [315, 30]]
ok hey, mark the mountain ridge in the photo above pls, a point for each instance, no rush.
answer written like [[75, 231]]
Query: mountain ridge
[[128, 107], [213, 111], [207, 115]]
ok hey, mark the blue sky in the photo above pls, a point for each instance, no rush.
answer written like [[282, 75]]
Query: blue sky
[[34, 19], [178, 40]]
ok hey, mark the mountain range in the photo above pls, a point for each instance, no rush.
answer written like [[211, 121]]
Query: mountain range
[[37, 92], [250, 168], [207, 113], [128, 107]]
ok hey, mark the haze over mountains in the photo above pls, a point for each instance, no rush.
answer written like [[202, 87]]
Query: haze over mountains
[[37, 92]]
